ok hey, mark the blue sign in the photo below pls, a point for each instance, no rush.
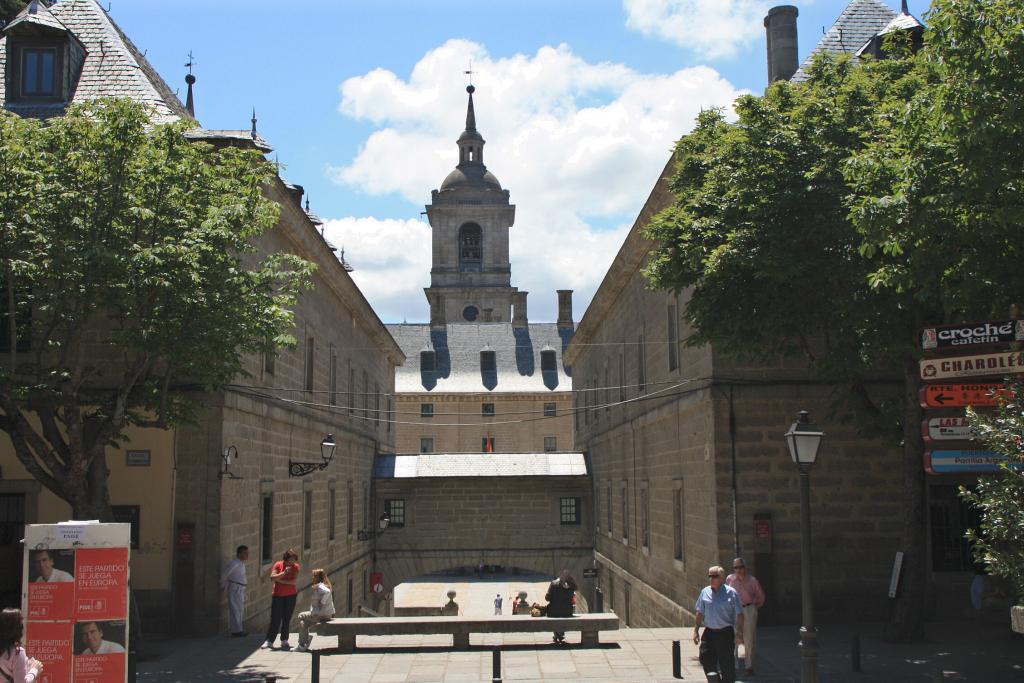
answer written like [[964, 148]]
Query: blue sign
[[970, 461]]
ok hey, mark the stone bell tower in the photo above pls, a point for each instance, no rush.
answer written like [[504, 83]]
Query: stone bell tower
[[470, 279]]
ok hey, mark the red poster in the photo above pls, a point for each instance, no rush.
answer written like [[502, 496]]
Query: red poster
[[101, 583], [99, 652], [51, 584], [51, 643]]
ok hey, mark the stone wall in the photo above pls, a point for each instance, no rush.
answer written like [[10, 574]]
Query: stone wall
[[507, 521], [518, 425]]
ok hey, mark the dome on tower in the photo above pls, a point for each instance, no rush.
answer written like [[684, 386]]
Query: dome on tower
[[471, 177]]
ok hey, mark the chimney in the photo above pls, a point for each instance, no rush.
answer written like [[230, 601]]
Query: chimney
[[519, 309], [780, 32], [565, 309], [436, 310]]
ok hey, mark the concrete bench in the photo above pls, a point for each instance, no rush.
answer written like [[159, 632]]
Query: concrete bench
[[589, 625]]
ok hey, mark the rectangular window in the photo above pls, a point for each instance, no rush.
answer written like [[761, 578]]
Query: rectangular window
[[487, 409], [645, 518], [269, 357], [550, 410], [366, 506], [426, 410], [390, 416], [332, 397], [597, 508], [641, 365], [38, 72], [625, 512], [488, 444], [428, 363], [622, 376], [128, 514], [267, 528], [310, 350], [396, 510], [365, 400], [608, 507], [550, 444], [673, 338], [349, 513], [569, 511], [332, 509], [307, 520], [348, 599], [488, 362], [351, 389], [677, 521], [376, 403], [426, 444], [607, 392], [548, 362]]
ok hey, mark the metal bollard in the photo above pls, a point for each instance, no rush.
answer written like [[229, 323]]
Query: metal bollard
[[495, 665], [855, 653], [598, 600], [314, 675], [677, 660]]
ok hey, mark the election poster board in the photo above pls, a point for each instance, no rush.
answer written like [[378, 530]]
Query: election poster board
[[75, 601]]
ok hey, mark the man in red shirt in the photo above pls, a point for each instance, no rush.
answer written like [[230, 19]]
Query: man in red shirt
[[284, 574], [752, 598]]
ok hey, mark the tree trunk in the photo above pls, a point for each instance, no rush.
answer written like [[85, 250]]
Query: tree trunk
[[93, 501], [908, 612]]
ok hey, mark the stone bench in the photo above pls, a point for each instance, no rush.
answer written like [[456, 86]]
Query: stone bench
[[589, 625]]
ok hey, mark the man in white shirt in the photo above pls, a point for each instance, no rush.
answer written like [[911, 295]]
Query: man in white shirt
[[47, 572], [234, 582], [92, 636]]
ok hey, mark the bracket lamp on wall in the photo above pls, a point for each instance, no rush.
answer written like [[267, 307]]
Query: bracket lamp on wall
[[301, 469], [228, 456], [382, 524]]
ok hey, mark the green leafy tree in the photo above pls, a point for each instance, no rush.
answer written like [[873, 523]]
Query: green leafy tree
[[834, 218], [10, 8], [999, 540], [127, 262]]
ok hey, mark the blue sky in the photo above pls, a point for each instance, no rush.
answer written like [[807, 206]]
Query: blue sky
[[579, 101]]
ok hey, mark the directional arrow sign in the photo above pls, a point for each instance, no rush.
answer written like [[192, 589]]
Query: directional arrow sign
[[946, 429], [961, 395]]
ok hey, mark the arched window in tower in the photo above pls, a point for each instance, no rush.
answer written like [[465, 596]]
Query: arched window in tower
[[470, 248]]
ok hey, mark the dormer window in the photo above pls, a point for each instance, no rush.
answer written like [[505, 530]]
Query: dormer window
[[548, 361], [38, 72], [428, 361], [488, 362]]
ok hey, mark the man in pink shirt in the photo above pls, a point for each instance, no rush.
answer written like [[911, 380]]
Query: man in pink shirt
[[752, 598]]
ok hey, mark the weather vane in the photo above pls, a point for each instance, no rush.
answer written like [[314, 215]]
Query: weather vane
[[191, 61], [469, 72]]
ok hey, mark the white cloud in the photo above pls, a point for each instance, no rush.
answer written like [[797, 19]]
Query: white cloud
[[711, 28], [579, 145]]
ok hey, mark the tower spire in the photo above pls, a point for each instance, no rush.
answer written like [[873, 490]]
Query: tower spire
[[905, 9], [190, 80], [470, 114]]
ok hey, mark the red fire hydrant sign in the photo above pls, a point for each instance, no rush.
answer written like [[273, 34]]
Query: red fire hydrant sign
[[75, 601]]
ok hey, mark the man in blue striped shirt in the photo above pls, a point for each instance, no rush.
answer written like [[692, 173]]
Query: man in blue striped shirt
[[720, 611]]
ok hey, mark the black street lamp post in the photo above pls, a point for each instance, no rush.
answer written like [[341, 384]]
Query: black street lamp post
[[803, 439]]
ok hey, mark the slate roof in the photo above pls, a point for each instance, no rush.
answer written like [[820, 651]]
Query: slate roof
[[858, 23], [457, 348], [113, 67], [426, 465]]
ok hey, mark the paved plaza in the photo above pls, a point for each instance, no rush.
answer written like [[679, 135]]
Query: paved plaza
[[953, 651]]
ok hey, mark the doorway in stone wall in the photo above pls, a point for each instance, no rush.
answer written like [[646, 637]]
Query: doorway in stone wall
[[476, 589], [12, 530]]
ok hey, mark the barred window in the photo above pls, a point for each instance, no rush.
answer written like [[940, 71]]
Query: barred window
[[569, 511], [396, 511]]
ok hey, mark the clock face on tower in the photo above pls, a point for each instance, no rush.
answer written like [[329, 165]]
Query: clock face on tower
[[470, 313]]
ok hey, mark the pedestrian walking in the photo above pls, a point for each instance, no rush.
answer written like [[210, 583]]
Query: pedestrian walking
[[559, 596], [752, 598], [321, 608], [15, 665], [719, 610], [233, 581], [497, 604], [284, 574]]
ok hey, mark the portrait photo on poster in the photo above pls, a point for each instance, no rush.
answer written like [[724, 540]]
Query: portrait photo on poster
[[99, 637], [51, 566]]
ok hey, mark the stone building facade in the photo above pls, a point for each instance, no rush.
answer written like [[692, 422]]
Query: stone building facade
[[688, 460], [188, 510]]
